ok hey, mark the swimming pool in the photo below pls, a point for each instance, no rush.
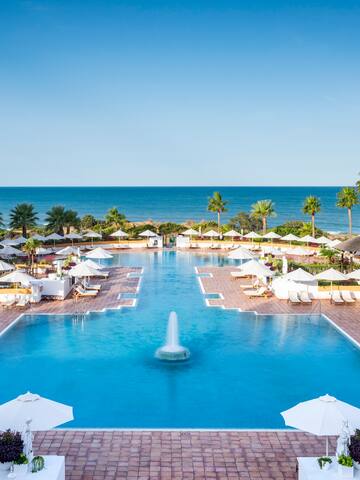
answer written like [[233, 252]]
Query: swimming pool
[[244, 369]]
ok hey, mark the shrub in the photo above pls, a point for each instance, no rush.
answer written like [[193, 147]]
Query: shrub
[[345, 461], [354, 446], [11, 446]]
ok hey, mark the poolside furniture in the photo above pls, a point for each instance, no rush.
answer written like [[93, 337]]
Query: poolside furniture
[[102, 274], [238, 275], [23, 301], [305, 298], [347, 296], [247, 286], [336, 298], [294, 298], [8, 302], [91, 286], [81, 292], [256, 292]]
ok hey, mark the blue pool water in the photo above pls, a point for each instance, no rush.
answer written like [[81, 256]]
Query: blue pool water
[[244, 369]]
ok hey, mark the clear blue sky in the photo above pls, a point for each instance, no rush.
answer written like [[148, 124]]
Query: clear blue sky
[[179, 92]]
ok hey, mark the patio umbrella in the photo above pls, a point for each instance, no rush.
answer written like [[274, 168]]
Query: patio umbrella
[[272, 236], [331, 275], [299, 275], [54, 236], [17, 276], [9, 251], [211, 234], [38, 237], [308, 239], [92, 264], [252, 236], [352, 245], [290, 238], [83, 270], [323, 240], [73, 236], [190, 232], [147, 233], [322, 416], [241, 254], [256, 269], [9, 241], [43, 251], [334, 243], [6, 267], [301, 252], [20, 240], [232, 234], [32, 412], [67, 251], [92, 235], [354, 275], [119, 234], [99, 254]]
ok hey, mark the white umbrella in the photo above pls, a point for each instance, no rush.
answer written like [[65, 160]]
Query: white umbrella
[[54, 236], [73, 236], [83, 270], [43, 251], [39, 237], [290, 237], [334, 243], [272, 235], [354, 275], [299, 275], [6, 267], [190, 232], [98, 253], [308, 239], [232, 234], [119, 234], [17, 276], [92, 264], [323, 240], [67, 251], [253, 267], [20, 240], [147, 233], [273, 251], [212, 234], [331, 275], [9, 241], [91, 234], [9, 251], [299, 251], [241, 254], [252, 235], [33, 412], [322, 416]]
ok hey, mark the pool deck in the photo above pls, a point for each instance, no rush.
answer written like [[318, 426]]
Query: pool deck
[[182, 455]]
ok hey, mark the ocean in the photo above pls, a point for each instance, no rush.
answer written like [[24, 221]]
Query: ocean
[[179, 204]]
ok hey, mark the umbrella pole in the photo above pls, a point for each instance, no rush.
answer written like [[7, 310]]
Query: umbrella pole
[[327, 446]]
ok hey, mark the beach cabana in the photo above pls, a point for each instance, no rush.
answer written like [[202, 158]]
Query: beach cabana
[[6, 267], [9, 251], [241, 254]]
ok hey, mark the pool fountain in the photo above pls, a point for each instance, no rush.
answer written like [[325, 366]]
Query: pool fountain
[[172, 351]]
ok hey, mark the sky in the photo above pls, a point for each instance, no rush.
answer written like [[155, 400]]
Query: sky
[[179, 92]]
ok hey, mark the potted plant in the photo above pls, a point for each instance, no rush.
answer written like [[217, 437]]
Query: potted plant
[[324, 463], [346, 466], [354, 448], [38, 464], [11, 446], [21, 465]]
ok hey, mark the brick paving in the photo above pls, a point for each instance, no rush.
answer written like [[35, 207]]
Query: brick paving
[[183, 455]]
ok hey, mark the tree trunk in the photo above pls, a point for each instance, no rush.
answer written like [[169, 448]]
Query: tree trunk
[[264, 222], [68, 230], [350, 221], [24, 232], [218, 222], [313, 224]]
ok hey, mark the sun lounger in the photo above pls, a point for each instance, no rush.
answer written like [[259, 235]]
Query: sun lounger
[[102, 274], [304, 297], [8, 303], [81, 292], [237, 274], [347, 296], [245, 286], [22, 302], [294, 298], [336, 298], [91, 286], [256, 292]]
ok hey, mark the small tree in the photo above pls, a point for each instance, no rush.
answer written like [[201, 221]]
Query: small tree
[[30, 247], [312, 205], [347, 198], [263, 209], [114, 218], [217, 205], [23, 216]]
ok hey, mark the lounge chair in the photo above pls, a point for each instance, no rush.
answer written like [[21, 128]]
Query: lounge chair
[[9, 302], [256, 292], [91, 286], [238, 274], [102, 274], [22, 302], [304, 297], [346, 295], [336, 298], [250, 286], [81, 292], [294, 298]]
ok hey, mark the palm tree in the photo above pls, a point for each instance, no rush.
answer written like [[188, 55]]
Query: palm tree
[[30, 247], [23, 216], [263, 209], [56, 219], [347, 198], [71, 220], [312, 205], [217, 205], [1, 220], [114, 217]]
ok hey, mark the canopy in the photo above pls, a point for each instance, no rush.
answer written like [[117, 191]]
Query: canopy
[[92, 264], [17, 276], [232, 233], [43, 413], [91, 234], [6, 267], [299, 275], [9, 251], [252, 235], [20, 240], [119, 234], [334, 243], [331, 275], [241, 254], [98, 253], [351, 245], [54, 236], [73, 236], [272, 235], [38, 237], [308, 239], [290, 237], [355, 275], [299, 251], [211, 234], [147, 233], [273, 251], [322, 416], [67, 251], [323, 240], [83, 270], [253, 267], [9, 241], [190, 232], [43, 251]]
